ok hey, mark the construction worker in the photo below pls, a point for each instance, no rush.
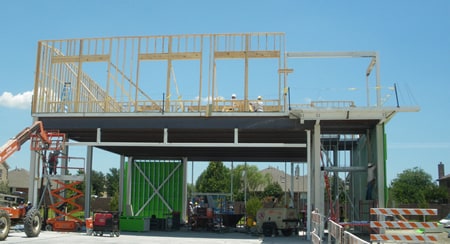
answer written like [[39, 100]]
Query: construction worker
[[53, 162], [257, 106], [234, 105], [29, 206]]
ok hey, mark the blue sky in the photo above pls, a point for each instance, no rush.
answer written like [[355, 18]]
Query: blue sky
[[412, 38]]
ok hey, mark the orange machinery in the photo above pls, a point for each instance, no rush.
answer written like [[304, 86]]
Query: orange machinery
[[13, 145], [41, 140]]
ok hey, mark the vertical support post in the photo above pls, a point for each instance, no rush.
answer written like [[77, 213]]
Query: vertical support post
[[121, 181], [292, 186], [378, 88], [318, 186], [65, 162], [169, 68], [231, 180], [99, 135], [309, 192], [87, 182], [245, 190], [64, 167], [166, 136], [247, 47], [136, 90], [318, 191], [36, 95], [129, 211], [381, 165], [34, 177], [77, 94], [285, 184], [184, 197]]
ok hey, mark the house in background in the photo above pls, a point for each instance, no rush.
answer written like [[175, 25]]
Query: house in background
[[299, 182], [444, 180], [18, 182]]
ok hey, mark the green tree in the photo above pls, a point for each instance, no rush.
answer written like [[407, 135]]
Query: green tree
[[190, 189], [97, 182], [215, 179], [4, 188], [114, 203], [415, 186], [252, 177], [253, 205], [273, 190], [112, 182], [436, 194]]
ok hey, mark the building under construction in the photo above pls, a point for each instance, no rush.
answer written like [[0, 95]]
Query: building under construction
[[162, 101]]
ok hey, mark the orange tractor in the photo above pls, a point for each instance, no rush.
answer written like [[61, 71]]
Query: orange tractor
[[12, 214]]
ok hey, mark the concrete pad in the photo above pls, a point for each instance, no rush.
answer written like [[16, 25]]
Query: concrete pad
[[170, 237]]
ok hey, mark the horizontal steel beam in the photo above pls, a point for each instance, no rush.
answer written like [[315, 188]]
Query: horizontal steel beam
[[161, 144]]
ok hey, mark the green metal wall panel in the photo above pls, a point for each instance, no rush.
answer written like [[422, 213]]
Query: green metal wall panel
[[156, 187]]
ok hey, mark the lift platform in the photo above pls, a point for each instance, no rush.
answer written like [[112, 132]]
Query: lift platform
[[62, 189]]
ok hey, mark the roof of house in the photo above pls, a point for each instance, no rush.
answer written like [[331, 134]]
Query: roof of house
[[445, 177], [19, 178], [300, 183]]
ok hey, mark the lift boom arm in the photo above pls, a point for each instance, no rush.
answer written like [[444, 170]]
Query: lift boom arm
[[13, 145]]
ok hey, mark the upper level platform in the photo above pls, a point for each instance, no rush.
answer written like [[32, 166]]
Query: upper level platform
[[170, 96]]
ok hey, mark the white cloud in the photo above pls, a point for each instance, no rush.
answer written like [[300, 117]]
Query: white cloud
[[19, 101]]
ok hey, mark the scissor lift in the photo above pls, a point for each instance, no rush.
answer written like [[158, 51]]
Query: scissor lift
[[62, 192]]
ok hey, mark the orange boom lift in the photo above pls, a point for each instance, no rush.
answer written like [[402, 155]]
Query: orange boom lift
[[41, 140]]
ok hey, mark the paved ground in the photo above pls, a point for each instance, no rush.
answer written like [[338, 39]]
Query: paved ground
[[174, 237], [171, 237]]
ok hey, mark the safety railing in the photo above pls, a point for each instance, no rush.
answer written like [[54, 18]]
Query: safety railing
[[337, 235], [317, 227], [332, 104], [335, 232], [350, 238]]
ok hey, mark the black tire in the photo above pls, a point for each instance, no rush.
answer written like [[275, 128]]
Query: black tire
[[49, 227], [117, 233], [267, 229], [5, 224], [33, 223], [287, 232], [78, 227]]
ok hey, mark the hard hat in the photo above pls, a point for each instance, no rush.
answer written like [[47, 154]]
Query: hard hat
[[28, 202], [259, 97], [233, 95]]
